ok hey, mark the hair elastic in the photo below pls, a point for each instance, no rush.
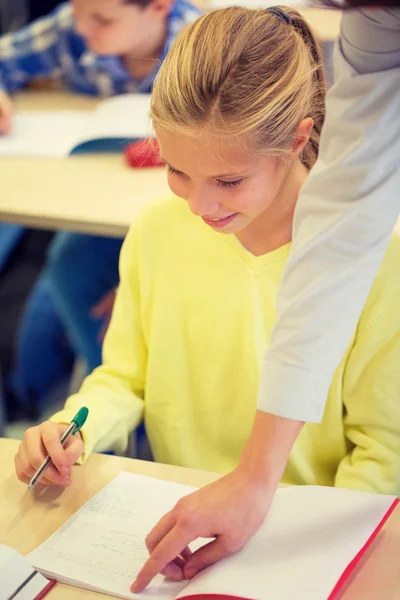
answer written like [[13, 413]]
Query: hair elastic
[[279, 14]]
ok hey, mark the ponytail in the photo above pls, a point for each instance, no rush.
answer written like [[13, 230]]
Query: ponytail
[[301, 27]]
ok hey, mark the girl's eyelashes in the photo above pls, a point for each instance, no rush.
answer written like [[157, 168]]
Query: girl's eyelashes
[[229, 183], [173, 171], [220, 182]]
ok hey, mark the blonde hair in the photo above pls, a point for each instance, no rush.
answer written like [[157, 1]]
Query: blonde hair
[[245, 73]]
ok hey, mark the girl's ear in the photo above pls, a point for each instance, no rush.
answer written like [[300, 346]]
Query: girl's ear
[[302, 136]]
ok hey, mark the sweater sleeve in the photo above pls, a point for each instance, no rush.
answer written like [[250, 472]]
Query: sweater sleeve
[[114, 392], [371, 392], [343, 221]]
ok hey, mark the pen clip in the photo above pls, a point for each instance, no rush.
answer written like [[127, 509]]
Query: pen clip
[[79, 419], [76, 428]]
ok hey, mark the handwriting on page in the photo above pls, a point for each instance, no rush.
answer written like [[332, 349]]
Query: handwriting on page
[[102, 546]]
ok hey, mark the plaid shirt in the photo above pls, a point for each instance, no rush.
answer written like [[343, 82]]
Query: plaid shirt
[[51, 46]]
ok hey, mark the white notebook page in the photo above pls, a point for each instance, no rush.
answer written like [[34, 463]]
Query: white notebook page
[[124, 116], [44, 133], [102, 545]]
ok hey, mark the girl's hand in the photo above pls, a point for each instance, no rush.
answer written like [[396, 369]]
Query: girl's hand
[[6, 110], [42, 440]]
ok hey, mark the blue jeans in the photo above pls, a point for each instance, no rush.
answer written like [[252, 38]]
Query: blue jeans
[[44, 358], [82, 269]]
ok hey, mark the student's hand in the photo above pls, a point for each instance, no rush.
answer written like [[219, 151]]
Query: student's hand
[[42, 440], [229, 510], [6, 110], [103, 310]]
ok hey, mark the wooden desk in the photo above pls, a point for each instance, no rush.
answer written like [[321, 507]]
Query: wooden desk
[[26, 520], [91, 194]]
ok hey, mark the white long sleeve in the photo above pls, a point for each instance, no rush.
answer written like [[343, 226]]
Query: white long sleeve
[[343, 221]]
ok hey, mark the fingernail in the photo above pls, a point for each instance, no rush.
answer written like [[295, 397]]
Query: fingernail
[[134, 587], [190, 573], [65, 471]]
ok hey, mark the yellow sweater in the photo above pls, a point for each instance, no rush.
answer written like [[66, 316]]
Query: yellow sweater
[[192, 320]]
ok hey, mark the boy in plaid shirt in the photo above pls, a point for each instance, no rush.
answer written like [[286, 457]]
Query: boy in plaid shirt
[[97, 47]]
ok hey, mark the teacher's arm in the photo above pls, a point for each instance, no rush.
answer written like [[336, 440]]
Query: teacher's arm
[[344, 219]]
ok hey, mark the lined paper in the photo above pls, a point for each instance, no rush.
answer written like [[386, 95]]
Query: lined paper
[[102, 546]]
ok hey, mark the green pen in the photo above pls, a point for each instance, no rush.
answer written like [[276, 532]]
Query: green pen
[[76, 424]]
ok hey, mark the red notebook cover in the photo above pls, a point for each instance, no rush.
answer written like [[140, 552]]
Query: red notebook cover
[[46, 590], [343, 578], [352, 565]]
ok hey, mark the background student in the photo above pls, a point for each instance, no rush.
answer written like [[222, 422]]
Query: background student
[[96, 47]]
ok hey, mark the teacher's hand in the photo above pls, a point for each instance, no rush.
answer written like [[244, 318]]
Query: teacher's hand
[[229, 510]]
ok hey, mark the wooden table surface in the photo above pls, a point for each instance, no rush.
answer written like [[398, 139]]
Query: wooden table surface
[[26, 520]]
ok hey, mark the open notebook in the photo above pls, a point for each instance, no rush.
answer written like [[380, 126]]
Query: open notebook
[[108, 128], [303, 550]]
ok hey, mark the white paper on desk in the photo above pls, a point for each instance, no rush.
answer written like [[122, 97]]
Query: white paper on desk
[[308, 539], [47, 134], [59, 133], [102, 546], [122, 116]]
